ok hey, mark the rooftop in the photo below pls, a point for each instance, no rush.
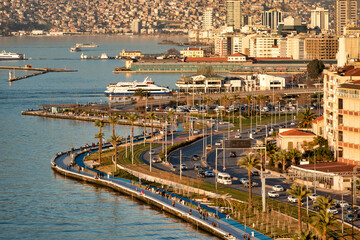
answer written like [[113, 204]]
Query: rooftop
[[296, 132], [330, 167], [318, 119]]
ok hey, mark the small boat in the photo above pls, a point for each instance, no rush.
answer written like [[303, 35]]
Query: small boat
[[83, 56], [87, 45], [104, 56], [75, 49], [10, 56]]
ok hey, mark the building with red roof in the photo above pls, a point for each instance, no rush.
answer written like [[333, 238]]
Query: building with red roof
[[292, 138]]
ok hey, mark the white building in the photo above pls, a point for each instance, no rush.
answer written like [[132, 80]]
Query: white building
[[320, 18], [268, 82], [265, 46], [237, 57], [272, 18], [136, 26], [349, 49], [208, 19], [296, 47]]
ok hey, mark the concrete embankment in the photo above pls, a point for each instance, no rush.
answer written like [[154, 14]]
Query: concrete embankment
[[128, 188], [40, 113]]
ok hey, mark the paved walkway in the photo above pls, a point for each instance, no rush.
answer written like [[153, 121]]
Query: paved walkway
[[222, 226]]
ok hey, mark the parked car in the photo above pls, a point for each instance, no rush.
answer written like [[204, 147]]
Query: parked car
[[350, 217], [342, 204], [255, 173], [253, 184], [273, 194], [196, 158], [208, 147], [332, 210], [218, 144], [278, 188], [209, 173], [156, 160], [174, 168], [237, 136], [201, 173], [196, 131], [313, 196], [232, 154], [292, 199], [183, 166], [242, 180], [197, 166]]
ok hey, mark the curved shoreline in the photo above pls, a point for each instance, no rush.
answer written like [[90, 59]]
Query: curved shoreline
[[60, 165]]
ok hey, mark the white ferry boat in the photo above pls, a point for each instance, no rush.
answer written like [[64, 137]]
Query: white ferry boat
[[10, 56], [75, 49], [129, 88], [87, 45]]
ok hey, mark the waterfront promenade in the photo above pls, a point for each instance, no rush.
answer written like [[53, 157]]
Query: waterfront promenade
[[174, 204]]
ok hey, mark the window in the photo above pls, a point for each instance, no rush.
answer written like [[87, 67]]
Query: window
[[340, 136], [340, 103], [340, 153], [290, 145], [341, 119]]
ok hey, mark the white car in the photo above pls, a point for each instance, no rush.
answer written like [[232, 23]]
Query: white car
[[332, 210], [218, 144], [243, 180], [183, 166], [156, 160], [292, 199], [237, 136], [313, 196], [278, 188], [273, 194]]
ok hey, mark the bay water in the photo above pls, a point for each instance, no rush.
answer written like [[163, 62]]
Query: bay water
[[35, 202]]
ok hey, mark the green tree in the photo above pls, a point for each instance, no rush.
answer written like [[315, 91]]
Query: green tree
[[324, 203], [113, 120], [322, 221], [306, 235], [315, 68], [100, 135], [306, 118], [114, 140], [294, 155], [284, 157], [132, 118], [152, 116], [299, 192], [207, 71], [250, 161]]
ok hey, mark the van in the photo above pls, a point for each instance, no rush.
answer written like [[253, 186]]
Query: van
[[224, 178]]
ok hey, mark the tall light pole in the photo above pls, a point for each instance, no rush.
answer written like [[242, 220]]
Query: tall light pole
[[180, 163], [150, 152]]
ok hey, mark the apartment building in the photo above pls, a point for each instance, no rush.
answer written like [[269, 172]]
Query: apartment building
[[334, 105], [272, 18], [296, 47], [265, 46], [349, 49], [192, 52], [208, 19], [349, 121], [321, 47], [345, 14], [320, 18], [234, 14]]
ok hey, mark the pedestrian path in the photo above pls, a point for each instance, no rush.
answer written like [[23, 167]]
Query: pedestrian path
[[221, 226]]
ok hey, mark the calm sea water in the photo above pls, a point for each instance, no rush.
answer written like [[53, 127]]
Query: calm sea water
[[36, 203]]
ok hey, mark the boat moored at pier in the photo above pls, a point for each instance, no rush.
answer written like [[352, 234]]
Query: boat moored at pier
[[87, 45], [129, 88]]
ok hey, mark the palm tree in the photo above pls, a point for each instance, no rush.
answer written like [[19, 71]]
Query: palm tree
[[132, 118], [284, 157], [250, 161], [306, 235], [324, 203], [322, 221], [276, 158], [294, 155], [299, 192], [113, 120], [152, 117], [225, 100], [249, 99], [100, 135], [114, 140], [171, 113], [306, 118], [207, 100]]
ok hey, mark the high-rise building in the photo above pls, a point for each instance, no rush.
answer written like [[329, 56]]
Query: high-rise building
[[321, 47], [272, 18], [208, 19], [320, 18], [349, 49], [234, 14], [136, 26], [345, 14]]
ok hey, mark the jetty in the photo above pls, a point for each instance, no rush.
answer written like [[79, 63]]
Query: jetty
[[39, 71]]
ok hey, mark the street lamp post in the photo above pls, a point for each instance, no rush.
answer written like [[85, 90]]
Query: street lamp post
[[150, 157], [180, 163]]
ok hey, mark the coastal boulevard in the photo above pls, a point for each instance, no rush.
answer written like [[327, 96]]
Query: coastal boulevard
[[221, 227], [228, 164]]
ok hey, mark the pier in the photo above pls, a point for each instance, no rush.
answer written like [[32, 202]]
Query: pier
[[39, 71]]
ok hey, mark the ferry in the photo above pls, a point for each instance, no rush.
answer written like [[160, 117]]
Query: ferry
[[10, 56], [129, 88], [87, 45]]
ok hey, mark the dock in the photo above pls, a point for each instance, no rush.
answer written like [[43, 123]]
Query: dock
[[30, 68]]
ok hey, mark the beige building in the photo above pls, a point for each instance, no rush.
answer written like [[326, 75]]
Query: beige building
[[266, 46], [320, 18], [321, 47], [349, 122], [296, 46], [130, 54], [349, 49], [345, 14], [192, 52], [332, 101], [234, 14], [291, 138], [317, 126]]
